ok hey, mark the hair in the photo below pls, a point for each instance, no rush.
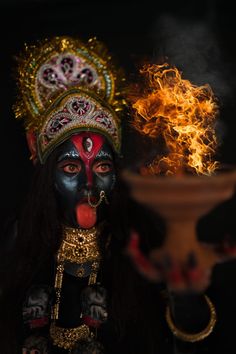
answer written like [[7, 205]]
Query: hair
[[135, 307], [37, 240]]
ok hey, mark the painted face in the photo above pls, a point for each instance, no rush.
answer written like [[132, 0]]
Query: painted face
[[85, 168]]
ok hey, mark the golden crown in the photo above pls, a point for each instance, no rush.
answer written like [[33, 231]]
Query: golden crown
[[66, 85]]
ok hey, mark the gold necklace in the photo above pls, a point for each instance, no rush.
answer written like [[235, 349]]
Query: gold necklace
[[78, 246]]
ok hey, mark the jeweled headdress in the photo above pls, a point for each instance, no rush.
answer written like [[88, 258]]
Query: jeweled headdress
[[66, 86]]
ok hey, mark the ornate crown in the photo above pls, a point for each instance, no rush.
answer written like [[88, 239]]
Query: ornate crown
[[73, 111], [66, 86]]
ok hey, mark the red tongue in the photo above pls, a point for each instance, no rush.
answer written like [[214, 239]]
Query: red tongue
[[86, 216]]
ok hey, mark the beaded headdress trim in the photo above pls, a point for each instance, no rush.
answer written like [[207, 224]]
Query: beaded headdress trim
[[53, 66], [73, 111]]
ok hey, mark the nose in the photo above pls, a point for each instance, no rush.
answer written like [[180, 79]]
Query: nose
[[84, 183], [89, 177], [88, 185]]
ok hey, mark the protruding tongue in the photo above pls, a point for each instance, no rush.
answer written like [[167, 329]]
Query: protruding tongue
[[86, 216]]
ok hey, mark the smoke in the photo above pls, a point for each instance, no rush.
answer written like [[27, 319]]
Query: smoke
[[192, 46]]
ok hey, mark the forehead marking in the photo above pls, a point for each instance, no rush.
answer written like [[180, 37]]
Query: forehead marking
[[88, 145]]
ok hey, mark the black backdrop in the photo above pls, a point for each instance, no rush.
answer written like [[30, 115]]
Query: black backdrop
[[198, 36]]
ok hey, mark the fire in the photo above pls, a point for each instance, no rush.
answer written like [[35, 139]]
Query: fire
[[183, 116]]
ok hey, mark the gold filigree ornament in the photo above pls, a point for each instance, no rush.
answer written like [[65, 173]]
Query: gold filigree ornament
[[65, 86], [78, 246], [67, 338], [74, 111]]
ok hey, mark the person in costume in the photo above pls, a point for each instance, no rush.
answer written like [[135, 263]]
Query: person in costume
[[69, 286]]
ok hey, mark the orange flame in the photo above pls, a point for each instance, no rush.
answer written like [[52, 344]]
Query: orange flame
[[183, 115]]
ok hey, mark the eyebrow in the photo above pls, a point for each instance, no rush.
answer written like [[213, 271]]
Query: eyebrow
[[69, 156], [103, 155]]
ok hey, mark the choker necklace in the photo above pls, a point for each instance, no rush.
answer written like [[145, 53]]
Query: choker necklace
[[78, 246]]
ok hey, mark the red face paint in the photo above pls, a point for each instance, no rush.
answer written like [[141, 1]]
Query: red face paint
[[88, 145], [85, 167]]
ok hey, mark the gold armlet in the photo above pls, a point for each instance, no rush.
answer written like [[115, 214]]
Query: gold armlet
[[66, 338], [193, 337]]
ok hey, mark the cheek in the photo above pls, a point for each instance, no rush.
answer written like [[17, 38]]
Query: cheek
[[65, 185], [106, 183]]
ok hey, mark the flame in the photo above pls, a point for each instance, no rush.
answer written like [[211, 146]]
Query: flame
[[183, 115]]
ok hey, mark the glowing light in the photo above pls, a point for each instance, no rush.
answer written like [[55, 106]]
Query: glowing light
[[183, 116]]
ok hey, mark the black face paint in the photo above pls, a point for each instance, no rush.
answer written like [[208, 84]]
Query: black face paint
[[85, 166]]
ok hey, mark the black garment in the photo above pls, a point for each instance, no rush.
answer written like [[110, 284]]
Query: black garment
[[145, 329], [136, 311]]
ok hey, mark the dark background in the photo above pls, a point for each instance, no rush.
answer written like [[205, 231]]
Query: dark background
[[196, 36]]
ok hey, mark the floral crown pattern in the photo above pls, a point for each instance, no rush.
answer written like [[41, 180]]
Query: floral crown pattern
[[52, 69], [73, 111]]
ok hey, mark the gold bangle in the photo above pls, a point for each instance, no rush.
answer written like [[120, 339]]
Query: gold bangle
[[193, 337], [66, 338]]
